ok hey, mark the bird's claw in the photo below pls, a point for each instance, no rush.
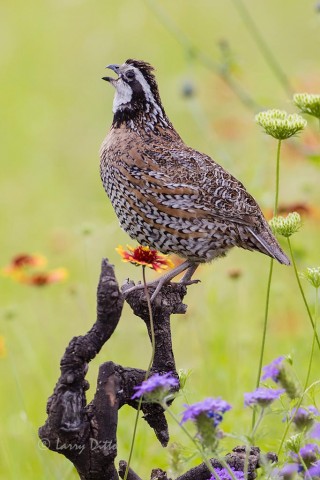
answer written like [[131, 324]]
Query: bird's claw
[[157, 286], [189, 282]]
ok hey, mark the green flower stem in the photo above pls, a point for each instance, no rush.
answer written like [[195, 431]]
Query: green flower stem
[[295, 412], [290, 421], [246, 463], [302, 292], [256, 425], [133, 438], [307, 474], [153, 342], [266, 311], [265, 323], [146, 291], [198, 447], [263, 46], [276, 201], [313, 339]]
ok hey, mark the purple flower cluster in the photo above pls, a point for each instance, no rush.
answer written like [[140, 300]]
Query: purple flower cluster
[[303, 417], [262, 396], [304, 412], [212, 407], [307, 456], [156, 383], [309, 452], [272, 370], [279, 373], [225, 475]]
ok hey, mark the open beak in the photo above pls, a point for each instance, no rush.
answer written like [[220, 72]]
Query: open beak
[[115, 68]]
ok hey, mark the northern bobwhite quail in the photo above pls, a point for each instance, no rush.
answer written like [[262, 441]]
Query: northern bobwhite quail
[[166, 194]]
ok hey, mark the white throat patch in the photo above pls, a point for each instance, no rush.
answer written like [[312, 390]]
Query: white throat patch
[[123, 95]]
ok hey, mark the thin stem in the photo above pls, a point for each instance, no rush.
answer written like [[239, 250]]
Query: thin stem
[[267, 304], [146, 291], [133, 438], [153, 342], [302, 292], [198, 447], [296, 408], [263, 46], [313, 339], [307, 474], [265, 323], [264, 333], [276, 201], [246, 463], [255, 427]]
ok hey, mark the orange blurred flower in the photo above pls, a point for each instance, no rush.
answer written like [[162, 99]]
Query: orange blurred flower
[[3, 351], [145, 256], [27, 269], [22, 261], [40, 279]]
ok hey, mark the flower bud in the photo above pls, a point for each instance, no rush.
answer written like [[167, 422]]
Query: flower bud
[[308, 103], [279, 124], [313, 276], [294, 442], [304, 417], [286, 226]]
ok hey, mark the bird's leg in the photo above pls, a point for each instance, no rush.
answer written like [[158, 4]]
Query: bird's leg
[[167, 277], [187, 265], [186, 279]]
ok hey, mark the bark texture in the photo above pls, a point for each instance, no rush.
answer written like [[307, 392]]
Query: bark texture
[[86, 434]]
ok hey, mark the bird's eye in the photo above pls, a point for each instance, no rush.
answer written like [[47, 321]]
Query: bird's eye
[[130, 74]]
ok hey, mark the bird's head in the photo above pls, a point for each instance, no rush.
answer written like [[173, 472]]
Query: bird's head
[[136, 90]]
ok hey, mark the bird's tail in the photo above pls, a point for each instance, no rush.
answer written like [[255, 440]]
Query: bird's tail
[[265, 242]]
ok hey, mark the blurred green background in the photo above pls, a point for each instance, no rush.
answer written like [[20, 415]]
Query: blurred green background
[[55, 113]]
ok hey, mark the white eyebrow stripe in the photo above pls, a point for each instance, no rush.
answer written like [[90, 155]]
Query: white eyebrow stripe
[[146, 88]]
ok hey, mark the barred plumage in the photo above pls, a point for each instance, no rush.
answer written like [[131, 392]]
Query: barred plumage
[[166, 194]]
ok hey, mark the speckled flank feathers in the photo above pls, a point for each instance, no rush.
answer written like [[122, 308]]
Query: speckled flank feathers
[[167, 195]]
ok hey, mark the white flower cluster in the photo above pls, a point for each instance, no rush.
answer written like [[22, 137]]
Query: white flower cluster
[[308, 103], [279, 124], [286, 226], [313, 276]]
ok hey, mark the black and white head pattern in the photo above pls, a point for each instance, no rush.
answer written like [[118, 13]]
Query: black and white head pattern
[[136, 90]]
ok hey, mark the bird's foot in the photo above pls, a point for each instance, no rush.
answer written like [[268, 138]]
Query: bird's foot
[[189, 282], [157, 285], [166, 279]]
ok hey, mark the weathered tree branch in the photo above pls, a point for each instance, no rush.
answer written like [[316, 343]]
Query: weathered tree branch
[[87, 434]]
